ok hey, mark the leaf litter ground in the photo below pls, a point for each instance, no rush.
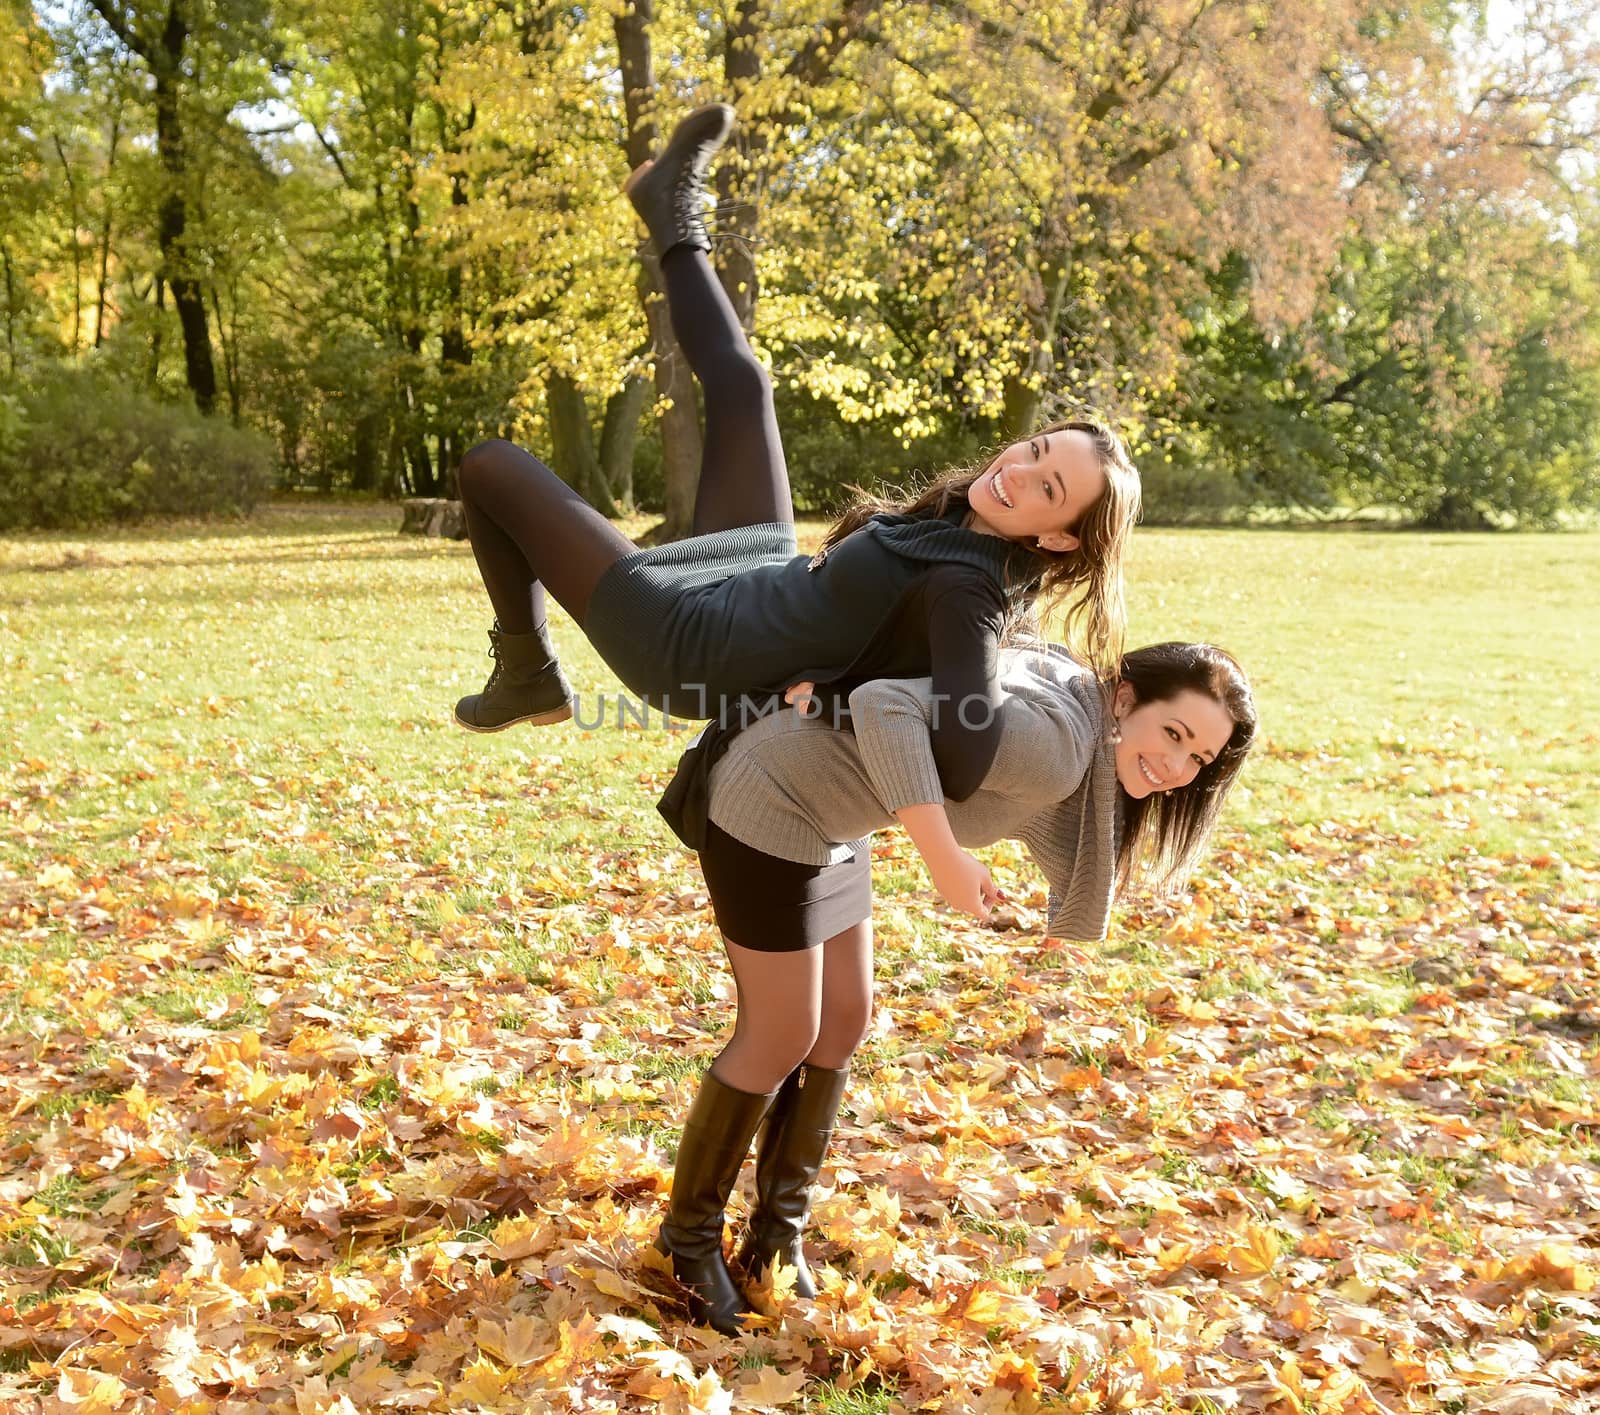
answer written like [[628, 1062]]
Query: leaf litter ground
[[343, 1057]]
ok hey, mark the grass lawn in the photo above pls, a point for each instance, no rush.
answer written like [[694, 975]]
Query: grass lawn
[[344, 1051]]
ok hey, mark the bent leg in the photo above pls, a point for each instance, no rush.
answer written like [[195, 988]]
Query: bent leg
[[530, 531], [779, 997], [744, 480]]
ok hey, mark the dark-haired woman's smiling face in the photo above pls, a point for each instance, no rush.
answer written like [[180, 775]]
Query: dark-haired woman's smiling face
[[1038, 489], [1166, 741]]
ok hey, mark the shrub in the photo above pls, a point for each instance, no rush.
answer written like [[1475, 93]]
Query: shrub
[[81, 450]]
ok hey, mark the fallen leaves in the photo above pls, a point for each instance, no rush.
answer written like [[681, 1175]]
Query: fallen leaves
[[342, 1072]]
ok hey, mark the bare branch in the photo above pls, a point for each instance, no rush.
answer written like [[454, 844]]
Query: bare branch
[[333, 152], [812, 65]]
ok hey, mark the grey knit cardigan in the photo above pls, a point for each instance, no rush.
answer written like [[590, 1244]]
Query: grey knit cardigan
[[796, 788]]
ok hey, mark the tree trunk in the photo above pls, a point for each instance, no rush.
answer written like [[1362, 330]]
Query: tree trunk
[[77, 246], [618, 437], [424, 477], [572, 444], [11, 310], [105, 236], [155, 338], [187, 294], [229, 371], [420, 467], [364, 457], [455, 353], [396, 460], [164, 57], [739, 172], [681, 444], [742, 173], [1023, 392]]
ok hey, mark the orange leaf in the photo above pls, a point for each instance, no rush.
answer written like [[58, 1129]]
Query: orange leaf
[[90, 1392]]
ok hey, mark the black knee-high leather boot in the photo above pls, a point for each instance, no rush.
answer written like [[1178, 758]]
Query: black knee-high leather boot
[[716, 1137], [788, 1159]]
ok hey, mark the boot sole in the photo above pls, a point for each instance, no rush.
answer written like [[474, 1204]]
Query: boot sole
[[536, 719], [639, 173]]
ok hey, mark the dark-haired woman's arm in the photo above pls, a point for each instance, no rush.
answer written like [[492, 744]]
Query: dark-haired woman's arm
[[966, 619]]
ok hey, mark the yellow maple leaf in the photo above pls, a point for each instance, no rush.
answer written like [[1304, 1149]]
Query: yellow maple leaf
[[983, 1305], [1257, 1254], [707, 1396], [1287, 1383], [854, 1375], [58, 879], [1561, 1266], [519, 1237], [771, 1387], [613, 1284], [1299, 1310], [1338, 1387], [520, 1342], [481, 1384], [1174, 1256], [1012, 1372]]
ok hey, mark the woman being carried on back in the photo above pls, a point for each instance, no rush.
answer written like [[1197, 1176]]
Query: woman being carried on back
[[735, 611]]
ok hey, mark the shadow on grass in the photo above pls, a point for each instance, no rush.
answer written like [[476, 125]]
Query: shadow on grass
[[89, 558]]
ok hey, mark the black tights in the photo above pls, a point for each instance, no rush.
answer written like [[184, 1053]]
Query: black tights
[[530, 531], [813, 1006]]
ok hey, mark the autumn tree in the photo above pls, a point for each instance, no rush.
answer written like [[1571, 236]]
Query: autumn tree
[[1449, 362], [1029, 196], [23, 183], [195, 52]]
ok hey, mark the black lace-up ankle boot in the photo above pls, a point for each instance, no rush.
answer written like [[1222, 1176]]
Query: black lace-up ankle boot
[[669, 193], [527, 685]]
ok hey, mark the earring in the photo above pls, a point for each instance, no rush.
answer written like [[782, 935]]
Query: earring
[[1116, 732]]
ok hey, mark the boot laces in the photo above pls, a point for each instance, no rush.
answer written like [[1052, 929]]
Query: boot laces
[[688, 196]]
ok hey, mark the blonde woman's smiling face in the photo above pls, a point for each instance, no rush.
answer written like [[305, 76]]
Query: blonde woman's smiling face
[[1166, 741], [1037, 490]]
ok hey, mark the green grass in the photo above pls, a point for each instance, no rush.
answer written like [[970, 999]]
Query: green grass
[[242, 847]]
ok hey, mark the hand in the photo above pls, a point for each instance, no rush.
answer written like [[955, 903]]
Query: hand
[[802, 695], [964, 882]]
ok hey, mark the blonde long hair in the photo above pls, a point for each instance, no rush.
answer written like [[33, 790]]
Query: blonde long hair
[[1096, 620]]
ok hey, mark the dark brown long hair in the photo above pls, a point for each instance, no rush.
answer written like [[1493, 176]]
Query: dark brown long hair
[[1095, 622], [1164, 834]]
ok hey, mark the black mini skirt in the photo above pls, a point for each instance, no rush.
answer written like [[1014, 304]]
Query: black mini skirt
[[778, 906]]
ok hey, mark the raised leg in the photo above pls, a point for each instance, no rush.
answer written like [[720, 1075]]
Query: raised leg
[[744, 479], [529, 530]]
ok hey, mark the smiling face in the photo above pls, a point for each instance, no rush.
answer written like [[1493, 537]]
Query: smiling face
[[1037, 490], [1166, 741]]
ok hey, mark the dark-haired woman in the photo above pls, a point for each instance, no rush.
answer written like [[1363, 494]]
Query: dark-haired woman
[[926, 587], [1102, 787]]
